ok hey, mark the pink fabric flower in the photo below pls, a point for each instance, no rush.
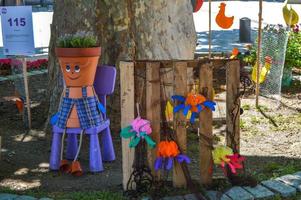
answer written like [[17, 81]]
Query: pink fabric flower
[[141, 125]]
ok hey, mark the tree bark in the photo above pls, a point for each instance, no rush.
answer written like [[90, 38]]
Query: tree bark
[[126, 29]]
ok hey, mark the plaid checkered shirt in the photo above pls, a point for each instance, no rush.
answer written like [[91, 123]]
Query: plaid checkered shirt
[[88, 111]]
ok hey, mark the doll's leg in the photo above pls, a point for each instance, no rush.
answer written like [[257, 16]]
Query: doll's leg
[[71, 146], [56, 150], [95, 155], [107, 148]]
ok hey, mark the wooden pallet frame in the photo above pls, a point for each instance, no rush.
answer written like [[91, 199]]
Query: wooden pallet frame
[[150, 98]]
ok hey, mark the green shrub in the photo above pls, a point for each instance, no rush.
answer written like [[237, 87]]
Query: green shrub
[[293, 51], [79, 40]]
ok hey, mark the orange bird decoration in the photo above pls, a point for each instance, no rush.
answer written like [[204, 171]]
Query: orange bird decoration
[[221, 19]]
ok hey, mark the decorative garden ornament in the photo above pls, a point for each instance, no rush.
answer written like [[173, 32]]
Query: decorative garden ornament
[[290, 16], [194, 103], [167, 152], [221, 19], [264, 71], [139, 129], [223, 155], [79, 108]]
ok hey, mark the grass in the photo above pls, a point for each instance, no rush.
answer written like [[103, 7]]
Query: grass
[[274, 170], [242, 124], [246, 107], [86, 195], [263, 108], [256, 120]]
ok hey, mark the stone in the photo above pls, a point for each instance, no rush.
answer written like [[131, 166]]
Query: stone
[[5, 196], [225, 197], [214, 195], [292, 180], [238, 193], [260, 192], [190, 197], [174, 198], [25, 197], [298, 173], [143, 198], [279, 187]]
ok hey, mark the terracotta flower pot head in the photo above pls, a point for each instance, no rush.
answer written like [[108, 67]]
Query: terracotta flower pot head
[[78, 65]]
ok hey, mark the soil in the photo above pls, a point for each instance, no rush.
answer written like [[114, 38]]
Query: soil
[[270, 137]]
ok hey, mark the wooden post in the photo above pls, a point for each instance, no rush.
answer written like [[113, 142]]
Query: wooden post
[[180, 88], [153, 109], [206, 137], [127, 95], [258, 53], [233, 105], [26, 91]]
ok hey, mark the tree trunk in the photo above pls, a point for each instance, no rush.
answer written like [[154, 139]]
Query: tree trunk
[[127, 29]]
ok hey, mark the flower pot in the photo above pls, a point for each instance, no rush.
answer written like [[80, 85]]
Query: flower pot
[[78, 65]]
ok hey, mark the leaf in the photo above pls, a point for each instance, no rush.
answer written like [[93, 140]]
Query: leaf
[[134, 142], [126, 132], [149, 141]]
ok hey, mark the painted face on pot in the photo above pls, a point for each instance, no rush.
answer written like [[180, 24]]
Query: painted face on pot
[[72, 69], [78, 71]]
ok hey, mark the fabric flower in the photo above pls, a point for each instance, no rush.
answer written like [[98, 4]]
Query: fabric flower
[[141, 125], [194, 103], [167, 152], [223, 155], [139, 129]]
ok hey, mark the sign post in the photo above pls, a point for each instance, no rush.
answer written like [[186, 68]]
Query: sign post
[[18, 40]]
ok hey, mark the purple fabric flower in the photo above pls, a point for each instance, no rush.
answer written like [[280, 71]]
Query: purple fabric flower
[[167, 163]]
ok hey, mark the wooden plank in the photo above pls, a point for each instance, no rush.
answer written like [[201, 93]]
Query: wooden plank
[[217, 62], [180, 88], [233, 105], [140, 89], [279, 187], [24, 65], [127, 114], [153, 110], [206, 137]]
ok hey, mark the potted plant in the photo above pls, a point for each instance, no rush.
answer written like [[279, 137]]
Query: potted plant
[[78, 57]]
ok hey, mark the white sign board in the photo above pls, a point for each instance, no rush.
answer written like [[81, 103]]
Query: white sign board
[[17, 30]]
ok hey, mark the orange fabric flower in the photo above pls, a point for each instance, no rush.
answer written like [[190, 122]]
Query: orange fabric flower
[[167, 149], [193, 100]]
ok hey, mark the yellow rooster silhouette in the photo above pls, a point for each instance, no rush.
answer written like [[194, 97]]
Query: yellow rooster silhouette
[[264, 71]]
